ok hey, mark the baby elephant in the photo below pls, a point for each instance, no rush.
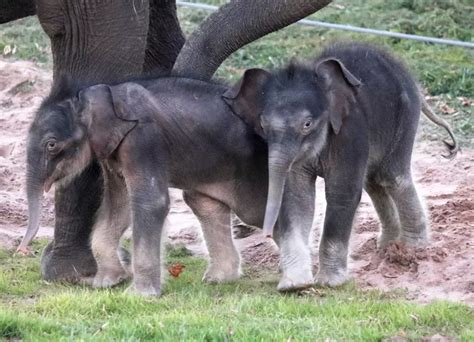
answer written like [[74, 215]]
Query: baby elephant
[[164, 132], [349, 117]]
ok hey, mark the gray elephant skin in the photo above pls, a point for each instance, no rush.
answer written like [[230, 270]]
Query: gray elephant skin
[[350, 117], [109, 41], [167, 132]]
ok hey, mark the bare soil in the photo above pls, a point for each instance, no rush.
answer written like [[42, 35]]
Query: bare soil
[[444, 270]]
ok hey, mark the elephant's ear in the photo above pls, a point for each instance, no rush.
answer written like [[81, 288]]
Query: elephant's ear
[[247, 97], [110, 116], [341, 88]]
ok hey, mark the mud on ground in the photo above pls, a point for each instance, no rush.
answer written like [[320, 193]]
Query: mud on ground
[[444, 270]]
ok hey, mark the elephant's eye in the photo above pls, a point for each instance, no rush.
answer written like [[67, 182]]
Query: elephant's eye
[[308, 123], [52, 146]]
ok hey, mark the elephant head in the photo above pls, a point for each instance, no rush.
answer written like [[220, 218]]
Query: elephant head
[[294, 110], [66, 137]]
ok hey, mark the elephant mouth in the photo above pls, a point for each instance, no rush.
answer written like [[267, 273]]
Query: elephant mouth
[[48, 184]]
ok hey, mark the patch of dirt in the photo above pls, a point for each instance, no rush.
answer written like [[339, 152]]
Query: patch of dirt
[[441, 271]]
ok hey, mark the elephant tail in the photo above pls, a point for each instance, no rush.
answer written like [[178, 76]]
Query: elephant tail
[[430, 114]]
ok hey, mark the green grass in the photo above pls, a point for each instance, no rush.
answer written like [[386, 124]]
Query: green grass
[[250, 309], [27, 39]]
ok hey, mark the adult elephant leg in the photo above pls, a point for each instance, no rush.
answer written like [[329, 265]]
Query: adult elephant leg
[[92, 42], [293, 229], [95, 41], [165, 38], [234, 25], [68, 256]]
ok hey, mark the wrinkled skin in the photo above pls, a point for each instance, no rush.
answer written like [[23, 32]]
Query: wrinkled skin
[[85, 49], [176, 132], [351, 118], [75, 34]]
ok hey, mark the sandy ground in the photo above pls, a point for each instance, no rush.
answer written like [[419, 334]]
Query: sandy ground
[[443, 270]]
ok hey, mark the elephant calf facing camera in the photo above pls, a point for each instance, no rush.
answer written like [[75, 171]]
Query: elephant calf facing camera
[[350, 116]]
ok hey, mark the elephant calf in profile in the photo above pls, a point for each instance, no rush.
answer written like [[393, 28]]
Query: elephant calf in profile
[[350, 117], [165, 132]]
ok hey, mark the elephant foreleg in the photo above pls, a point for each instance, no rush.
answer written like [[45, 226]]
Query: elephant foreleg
[[292, 232], [343, 195]]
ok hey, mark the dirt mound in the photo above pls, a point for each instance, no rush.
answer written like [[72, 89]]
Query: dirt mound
[[443, 270], [259, 252]]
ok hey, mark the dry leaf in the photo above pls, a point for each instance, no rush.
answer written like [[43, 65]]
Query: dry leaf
[[176, 269], [447, 110], [7, 50], [465, 101]]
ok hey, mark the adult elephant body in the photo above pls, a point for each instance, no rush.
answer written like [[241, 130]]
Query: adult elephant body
[[109, 41]]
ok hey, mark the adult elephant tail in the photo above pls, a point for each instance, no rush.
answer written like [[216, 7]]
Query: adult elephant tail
[[234, 25]]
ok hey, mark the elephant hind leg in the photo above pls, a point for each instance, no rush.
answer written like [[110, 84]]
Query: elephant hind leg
[[214, 216], [386, 211], [414, 227]]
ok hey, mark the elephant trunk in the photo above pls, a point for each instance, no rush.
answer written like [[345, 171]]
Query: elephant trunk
[[35, 194], [278, 166], [234, 25]]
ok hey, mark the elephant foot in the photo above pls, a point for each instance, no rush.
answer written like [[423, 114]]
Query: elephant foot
[[109, 278], [295, 281], [415, 239], [67, 264], [219, 274], [385, 239], [143, 288], [88, 281], [332, 278]]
